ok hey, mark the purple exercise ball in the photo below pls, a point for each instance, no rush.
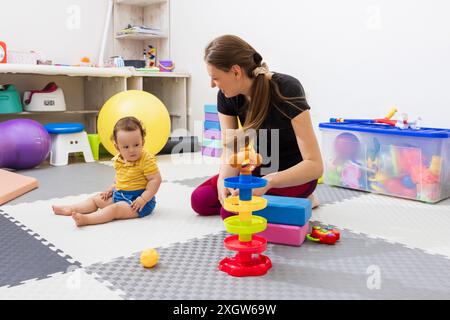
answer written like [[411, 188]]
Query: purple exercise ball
[[24, 144]]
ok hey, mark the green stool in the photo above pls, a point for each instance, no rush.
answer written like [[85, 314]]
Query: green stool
[[96, 146]]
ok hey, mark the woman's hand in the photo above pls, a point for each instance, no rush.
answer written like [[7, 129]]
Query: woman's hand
[[106, 195], [223, 192], [138, 204], [262, 191]]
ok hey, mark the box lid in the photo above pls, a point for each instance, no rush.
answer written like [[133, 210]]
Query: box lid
[[382, 128]]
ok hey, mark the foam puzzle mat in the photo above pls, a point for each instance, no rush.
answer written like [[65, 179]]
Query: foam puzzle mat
[[390, 248], [24, 255], [344, 271]]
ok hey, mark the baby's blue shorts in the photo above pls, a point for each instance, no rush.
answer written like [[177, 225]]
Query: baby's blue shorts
[[130, 196]]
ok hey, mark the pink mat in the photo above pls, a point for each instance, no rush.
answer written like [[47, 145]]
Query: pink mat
[[211, 152], [285, 234], [13, 185]]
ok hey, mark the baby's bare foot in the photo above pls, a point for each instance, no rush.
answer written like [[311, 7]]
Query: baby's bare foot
[[62, 210], [314, 201], [79, 218]]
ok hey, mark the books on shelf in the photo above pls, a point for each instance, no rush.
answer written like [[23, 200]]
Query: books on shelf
[[130, 29]]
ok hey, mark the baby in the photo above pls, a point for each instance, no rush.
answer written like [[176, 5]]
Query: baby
[[137, 181]]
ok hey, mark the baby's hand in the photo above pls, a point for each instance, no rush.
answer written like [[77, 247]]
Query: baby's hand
[[138, 204], [106, 195]]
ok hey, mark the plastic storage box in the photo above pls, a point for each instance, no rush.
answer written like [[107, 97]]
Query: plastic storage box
[[9, 99], [412, 164]]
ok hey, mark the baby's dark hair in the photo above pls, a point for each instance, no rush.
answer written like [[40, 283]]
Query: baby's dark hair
[[128, 124]]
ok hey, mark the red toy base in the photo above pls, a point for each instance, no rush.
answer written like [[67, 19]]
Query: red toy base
[[248, 261], [257, 266]]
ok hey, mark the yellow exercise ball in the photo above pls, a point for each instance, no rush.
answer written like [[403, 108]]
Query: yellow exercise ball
[[149, 258], [141, 105]]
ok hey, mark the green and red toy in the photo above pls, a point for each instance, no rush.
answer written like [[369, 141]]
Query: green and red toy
[[324, 235]]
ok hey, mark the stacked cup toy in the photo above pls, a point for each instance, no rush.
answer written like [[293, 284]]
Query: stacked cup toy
[[248, 261]]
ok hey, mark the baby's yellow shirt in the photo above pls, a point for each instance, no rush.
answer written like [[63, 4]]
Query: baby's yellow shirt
[[133, 175]]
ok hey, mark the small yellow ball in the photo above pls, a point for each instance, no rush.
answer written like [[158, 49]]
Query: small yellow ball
[[149, 258]]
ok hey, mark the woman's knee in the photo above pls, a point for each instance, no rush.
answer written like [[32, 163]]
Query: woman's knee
[[204, 201], [312, 187], [225, 214]]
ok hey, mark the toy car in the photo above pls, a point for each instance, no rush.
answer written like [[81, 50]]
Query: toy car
[[323, 235]]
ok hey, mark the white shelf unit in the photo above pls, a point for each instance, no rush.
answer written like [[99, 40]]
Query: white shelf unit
[[151, 13], [86, 89]]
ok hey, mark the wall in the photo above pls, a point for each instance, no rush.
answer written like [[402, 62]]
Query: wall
[[355, 58], [64, 31]]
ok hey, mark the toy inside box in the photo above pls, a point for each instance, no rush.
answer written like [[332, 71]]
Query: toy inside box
[[379, 158]]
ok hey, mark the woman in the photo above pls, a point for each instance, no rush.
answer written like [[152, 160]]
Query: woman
[[263, 101]]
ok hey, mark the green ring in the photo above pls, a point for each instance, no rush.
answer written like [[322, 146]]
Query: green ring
[[235, 226]]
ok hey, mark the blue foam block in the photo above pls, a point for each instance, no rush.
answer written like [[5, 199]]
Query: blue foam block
[[212, 125], [286, 210], [210, 108]]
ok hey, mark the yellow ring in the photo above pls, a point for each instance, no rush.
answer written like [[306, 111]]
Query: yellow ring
[[233, 204]]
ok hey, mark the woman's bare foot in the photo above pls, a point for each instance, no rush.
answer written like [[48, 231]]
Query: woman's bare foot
[[79, 218], [62, 210], [314, 201]]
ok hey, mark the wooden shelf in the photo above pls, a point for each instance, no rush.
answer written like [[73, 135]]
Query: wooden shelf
[[65, 70], [150, 13], [140, 3], [85, 71], [54, 112], [86, 89], [149, 74], [140, 36]]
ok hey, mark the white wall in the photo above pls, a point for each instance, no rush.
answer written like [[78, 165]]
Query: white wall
[[355, 58], [63, 30]]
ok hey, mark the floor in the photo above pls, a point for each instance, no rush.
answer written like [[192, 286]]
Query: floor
[[390, 249]]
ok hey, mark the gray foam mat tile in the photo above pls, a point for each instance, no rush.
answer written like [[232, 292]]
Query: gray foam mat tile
[[358, 267], [192, 182], [59, 182], [24, 255], [329, 194]]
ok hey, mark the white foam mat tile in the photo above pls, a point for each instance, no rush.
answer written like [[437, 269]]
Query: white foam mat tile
[[412, 223], [172, 221], [73, 285], [187, 166]]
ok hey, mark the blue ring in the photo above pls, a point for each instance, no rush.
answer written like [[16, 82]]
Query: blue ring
[[233, 182]]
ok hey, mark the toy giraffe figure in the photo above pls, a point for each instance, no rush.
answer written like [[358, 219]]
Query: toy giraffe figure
[[249, 261], [246, 160]]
